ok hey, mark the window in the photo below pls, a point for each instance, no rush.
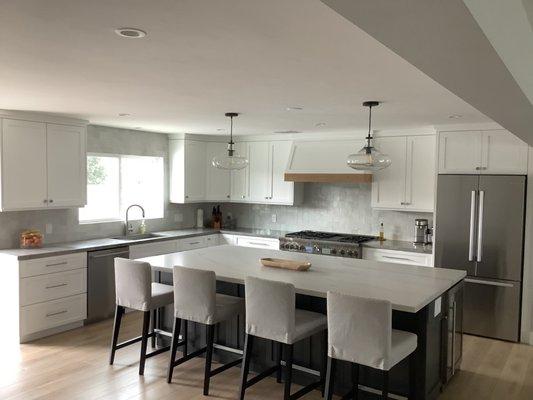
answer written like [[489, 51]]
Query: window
[[115, 181]]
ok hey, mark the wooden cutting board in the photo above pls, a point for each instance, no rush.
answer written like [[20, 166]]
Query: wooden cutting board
[[286, 264]]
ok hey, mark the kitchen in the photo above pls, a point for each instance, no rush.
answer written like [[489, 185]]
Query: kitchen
[[456, 178]]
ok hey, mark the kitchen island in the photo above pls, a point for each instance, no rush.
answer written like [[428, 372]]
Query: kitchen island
[[420, 298]]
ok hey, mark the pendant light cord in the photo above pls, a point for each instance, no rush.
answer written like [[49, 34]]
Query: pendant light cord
[[369, 124], [231, 131]]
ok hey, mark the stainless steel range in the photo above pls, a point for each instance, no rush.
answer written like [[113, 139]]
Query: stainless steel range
[[327, 243]]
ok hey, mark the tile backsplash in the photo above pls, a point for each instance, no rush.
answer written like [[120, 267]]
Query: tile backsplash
[[328, 207]]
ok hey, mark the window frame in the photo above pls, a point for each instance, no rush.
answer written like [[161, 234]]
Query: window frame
[[120, 157]]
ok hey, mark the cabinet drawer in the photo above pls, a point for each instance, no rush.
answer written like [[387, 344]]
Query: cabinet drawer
[[211, 240], [48, 265], [192, 243], [262, 243], [51, 314], [37, 289], [153, 249], [398, 257]]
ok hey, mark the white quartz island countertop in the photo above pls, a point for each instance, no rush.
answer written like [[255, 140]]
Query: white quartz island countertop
[[408, 288]]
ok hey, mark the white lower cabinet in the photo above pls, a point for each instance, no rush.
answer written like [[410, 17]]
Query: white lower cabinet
[[52, 294], [153, 249], [257, 242], [398, 257]]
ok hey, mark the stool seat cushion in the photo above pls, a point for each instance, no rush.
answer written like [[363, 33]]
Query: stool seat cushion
[[307, 323], [403, 343], [227, 307], [162, 295]]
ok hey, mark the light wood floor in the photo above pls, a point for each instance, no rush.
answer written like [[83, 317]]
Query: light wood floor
[[73, 365]]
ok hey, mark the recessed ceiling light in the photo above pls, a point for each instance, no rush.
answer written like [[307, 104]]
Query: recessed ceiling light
[[455, 116], [130, 33], [288, 131], [294, 108], [319, 124], [123, 114]]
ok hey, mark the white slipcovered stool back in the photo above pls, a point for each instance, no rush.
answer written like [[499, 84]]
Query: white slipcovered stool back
[[270, 309], [359, 330], [133, 280], [195, 295]]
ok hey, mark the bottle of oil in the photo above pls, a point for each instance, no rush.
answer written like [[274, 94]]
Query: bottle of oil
[[381, 233]]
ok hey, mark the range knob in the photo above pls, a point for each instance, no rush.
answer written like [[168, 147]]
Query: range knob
[[342, 252], [333, 251], [350, 253]]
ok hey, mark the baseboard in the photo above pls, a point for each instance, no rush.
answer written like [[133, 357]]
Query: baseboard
[[49, 332]]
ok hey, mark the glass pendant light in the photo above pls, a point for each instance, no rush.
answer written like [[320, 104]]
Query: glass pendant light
[[231, 160], [369, 158]]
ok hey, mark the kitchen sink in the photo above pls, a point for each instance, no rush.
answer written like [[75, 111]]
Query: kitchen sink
[[139, 236]]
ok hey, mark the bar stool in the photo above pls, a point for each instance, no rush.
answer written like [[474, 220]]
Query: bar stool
[[271, 314], [360, 332], [196, 300], [135, 289]]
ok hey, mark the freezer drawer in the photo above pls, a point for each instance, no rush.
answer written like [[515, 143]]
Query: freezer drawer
[[492, 308]]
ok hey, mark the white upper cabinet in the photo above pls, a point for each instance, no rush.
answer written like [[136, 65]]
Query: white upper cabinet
[[240, 178], [280, 191], [43, 165], [260, 173], [24, 180], [217, 180], [408, 184], [187, 171], [482, 152], [66, 162]]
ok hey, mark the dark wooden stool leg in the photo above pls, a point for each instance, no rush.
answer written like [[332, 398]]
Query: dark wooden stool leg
[[288, 371], [412, 376], [208, 357], [355, 380], [248, 343], [279, 351], [185, 337], [173, 348], [154, 325], [385, 390], [119, 312], [330, 379], [144, 341]]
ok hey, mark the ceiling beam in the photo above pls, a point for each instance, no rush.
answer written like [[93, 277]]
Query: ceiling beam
[[443, 40]]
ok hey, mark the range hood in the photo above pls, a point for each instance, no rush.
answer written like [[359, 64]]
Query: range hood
[[324, 161]]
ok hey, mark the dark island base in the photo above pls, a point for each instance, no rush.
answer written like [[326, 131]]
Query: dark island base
[[430, 358]]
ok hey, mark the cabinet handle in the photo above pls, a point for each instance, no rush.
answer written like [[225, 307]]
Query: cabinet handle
[[51, 200], [186, 197], [194, 243], [57, 264], [55, 286], [404, 203], [259, 244], [478, 168], [398, 258], [227, 196], [45, 201], [56, 313], [243, 196]]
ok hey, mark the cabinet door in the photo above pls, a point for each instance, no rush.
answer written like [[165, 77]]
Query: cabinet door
[[460, 152], [420, 179], [23, 165], [260, 171], [388, 185], [66, 160], [217, 180], [280, 191], [195, 170], [240, 178], [503, 153]]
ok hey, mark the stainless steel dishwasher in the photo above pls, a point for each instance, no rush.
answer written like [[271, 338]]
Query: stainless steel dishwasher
[[101, 282]]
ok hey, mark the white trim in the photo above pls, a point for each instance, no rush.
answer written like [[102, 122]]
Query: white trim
[[486, 126], [42, 117], [526, 329]]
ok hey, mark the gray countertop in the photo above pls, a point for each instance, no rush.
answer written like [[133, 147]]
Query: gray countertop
[[57, 249]]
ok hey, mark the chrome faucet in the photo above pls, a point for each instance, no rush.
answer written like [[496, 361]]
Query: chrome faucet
[[129, 227]]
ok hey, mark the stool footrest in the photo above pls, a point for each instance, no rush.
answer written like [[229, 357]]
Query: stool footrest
[[189, 356], [131, 341], [306, 389], [225, 367], [262, 376], [158, 351]]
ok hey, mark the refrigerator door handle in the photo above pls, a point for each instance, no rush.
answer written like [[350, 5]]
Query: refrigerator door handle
[[488, 283], [472, 225], [480, 227]]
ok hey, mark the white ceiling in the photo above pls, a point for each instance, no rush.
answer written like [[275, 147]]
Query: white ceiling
[[203, 58]]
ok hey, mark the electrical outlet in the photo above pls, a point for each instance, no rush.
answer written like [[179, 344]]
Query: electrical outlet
[[48, 228], [178, 217], [274, 218]]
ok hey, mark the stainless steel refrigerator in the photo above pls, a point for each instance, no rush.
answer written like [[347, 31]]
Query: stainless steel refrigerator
[[479, 228]]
